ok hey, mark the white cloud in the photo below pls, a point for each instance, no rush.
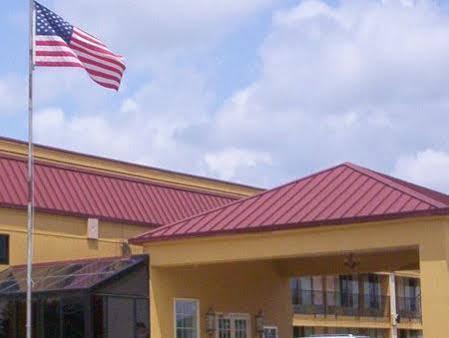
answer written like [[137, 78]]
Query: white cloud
[[364, 81], [429, 168], [356, 82], [144, 129], [146, 31], [226, 163]]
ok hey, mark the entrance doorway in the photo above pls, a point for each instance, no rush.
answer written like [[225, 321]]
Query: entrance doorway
[[234, 325]]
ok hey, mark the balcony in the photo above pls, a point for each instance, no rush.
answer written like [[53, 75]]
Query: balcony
[[409, 307], [341, 304]]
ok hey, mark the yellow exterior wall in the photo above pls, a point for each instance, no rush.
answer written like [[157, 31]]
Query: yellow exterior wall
[[428, 237], [227, 288], [434, 265], [63, 238]]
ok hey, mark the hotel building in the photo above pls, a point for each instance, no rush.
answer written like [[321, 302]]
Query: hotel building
[[127, 251]]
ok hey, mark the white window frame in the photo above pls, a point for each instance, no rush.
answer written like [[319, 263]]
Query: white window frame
[[197, 301], [233, 316], [271, 328]]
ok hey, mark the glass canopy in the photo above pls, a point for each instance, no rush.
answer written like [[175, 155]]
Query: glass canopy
[[65, 276]]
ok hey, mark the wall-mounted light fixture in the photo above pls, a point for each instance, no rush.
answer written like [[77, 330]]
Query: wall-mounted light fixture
[[210, 322], [351, 262], [260, 322]]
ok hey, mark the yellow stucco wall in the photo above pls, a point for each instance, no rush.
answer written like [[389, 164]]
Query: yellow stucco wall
[[227, 288], [404, 244], [62, 237]]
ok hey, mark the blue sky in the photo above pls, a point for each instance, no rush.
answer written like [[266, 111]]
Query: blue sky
[[260, 91]]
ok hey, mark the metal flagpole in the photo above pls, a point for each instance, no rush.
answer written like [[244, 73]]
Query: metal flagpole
[[30, 225]]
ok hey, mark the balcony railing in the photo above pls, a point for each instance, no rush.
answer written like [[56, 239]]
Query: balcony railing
[[341, 304], [409, 307]]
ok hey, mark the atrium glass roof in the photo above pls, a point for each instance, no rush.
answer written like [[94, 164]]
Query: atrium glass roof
[[65, 276]]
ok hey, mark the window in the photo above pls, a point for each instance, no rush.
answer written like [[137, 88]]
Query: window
[[349, 291], [233, 325], [295, 289], [372, 296], [52, 317], [303, 331], [307, 290], [410, 334], [142, 318], [120, 314], [270, 332], [72, 312], [4, 249], [186, 318]]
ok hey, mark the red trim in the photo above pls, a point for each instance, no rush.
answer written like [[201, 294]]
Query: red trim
[[284, 227]]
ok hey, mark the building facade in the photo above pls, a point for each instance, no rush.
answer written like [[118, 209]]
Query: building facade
[[227, 272], [87, 208], [129, 251]]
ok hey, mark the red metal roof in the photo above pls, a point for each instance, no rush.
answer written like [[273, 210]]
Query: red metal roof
[[343, 194], [71, 191]]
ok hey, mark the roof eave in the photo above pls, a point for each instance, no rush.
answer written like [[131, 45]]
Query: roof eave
[[292, 226]]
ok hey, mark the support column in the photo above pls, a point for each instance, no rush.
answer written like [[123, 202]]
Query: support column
[[393, 309], [434, 266]]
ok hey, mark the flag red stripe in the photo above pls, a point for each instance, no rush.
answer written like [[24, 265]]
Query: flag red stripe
[[98, 64], [107, 85], [103, 75], [82, 59], [88, 37], [84, 50], [55, 53], [116, 76], [50, 43], [91, 47], [58, 64]]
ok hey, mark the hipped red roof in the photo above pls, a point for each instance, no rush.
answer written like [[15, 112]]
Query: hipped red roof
[[343, 194], [72, 191]]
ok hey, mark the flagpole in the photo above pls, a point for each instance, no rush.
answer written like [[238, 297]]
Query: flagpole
[[30, 223]]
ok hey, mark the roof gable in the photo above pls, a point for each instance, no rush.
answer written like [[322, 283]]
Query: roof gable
[[77, 192], [342, 194]]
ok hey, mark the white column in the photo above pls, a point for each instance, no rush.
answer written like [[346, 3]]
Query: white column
[[392, 288]]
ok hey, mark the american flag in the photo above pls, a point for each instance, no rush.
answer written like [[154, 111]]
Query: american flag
[[59, 44]]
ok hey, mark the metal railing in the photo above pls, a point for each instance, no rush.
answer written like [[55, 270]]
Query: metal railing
[[409, 307], [340, 304]]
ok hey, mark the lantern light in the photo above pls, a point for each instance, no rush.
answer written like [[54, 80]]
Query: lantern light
[[210, 322], [260, 323]]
